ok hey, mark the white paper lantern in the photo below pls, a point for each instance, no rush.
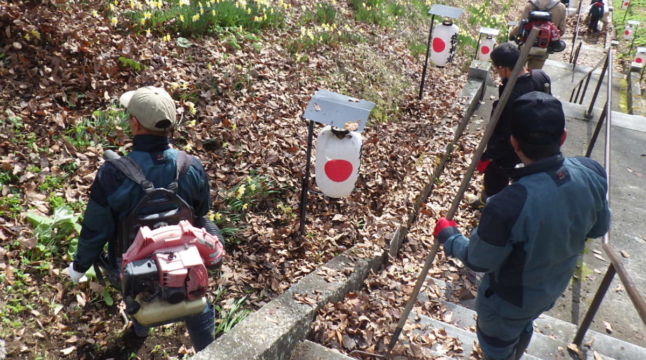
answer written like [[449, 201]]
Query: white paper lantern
[[486, 46], [337, 162], [640, 57], [624, 4], [629, 31], [444, 43]]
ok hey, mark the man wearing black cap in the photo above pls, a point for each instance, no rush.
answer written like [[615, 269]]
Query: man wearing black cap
[[499, 158], [531, 233]]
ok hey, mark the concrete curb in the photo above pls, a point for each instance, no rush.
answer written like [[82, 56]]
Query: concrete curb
[[273, 331], [636, 104]]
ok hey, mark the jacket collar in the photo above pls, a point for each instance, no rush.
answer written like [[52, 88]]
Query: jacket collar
[[553, 162], [150, 143]]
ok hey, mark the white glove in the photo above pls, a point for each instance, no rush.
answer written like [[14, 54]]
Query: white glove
[[76, 276]]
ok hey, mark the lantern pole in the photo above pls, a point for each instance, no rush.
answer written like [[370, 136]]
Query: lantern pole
[[626, 13], [635, 25], [445, 12], [475, 56], [428, 51], [306, 177]]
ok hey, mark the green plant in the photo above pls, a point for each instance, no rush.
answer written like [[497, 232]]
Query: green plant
[[371, 11], [51, 183], [416, 48], [55, 201], [231, 313], [103, 127], [10, 205], [132, 64], [193, 17], [54, 232]]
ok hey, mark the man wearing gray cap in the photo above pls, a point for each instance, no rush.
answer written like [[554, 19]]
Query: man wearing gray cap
[[113, 195], [531, 233]]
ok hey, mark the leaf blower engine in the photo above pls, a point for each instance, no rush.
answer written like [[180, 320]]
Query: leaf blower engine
[[164, 274], [549, 36]]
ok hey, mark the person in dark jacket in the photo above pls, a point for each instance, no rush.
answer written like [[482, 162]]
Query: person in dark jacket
[[531, 233], [596, 13], [499, 158], [113, 196]]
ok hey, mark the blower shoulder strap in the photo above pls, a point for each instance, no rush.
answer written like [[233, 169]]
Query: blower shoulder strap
[[131, 169], [549, 6]]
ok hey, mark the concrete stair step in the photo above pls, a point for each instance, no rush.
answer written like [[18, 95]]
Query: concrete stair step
[[626, 121], [467, 338], [550, 332], [307, 350]]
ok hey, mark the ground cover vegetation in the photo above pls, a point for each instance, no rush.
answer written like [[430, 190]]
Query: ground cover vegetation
[[241, 73]]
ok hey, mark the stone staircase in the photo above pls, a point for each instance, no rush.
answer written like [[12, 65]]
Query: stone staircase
[[552, 335]]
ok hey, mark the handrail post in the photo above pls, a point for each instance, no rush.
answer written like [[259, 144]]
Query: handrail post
[[585, 88], [597, 129], [594, 306], [576, 28], [596, 91]]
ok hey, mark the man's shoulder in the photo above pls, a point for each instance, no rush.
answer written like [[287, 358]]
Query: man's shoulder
[[501, 214], [589, 164]]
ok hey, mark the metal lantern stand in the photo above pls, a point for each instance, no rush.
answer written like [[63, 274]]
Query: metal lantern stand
[[636, 25], [336, 110], [626, 13], [439, 10], [486, 31]]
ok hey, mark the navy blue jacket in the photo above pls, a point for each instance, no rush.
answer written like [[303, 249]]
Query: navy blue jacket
[[531, 233], [113, 195]]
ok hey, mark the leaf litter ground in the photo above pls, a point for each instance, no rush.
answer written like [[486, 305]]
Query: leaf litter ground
[[240, 110]]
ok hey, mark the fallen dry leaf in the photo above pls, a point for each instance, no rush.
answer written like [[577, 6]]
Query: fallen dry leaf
[[608, 327]]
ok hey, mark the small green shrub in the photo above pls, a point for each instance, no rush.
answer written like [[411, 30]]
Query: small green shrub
[[54, 233], [193, 18], [102, 128], [230, 314], [131, 64]]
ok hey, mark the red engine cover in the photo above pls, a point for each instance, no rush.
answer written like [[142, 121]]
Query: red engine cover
[[182, 267]]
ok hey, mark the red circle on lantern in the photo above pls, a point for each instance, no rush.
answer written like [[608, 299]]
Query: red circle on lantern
[[626, 4], [639, 60], [338, 170], [438, 45], [626, 32], [485, 50]]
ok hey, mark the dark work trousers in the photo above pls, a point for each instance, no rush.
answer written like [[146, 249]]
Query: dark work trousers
[[496, 177], [594, 23]]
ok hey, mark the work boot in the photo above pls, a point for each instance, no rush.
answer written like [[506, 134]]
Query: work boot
[[523, 343], [201, 328], [140, 330]]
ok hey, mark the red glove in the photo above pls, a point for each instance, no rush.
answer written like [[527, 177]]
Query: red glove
[[482, 165], [441, 224]]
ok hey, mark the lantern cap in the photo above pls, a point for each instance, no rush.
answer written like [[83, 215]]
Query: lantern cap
[[489, 31], [445, 11], [633, 22], [338, 110], [512, 23]]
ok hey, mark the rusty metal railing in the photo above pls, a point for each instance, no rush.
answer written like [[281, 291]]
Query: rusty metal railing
[[582, 86], [576, 28], [576, 55], [616, 266]]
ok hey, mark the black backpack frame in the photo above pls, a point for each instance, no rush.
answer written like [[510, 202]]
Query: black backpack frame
[[128, 226]]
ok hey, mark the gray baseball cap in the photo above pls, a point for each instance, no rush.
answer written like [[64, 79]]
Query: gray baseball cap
[[153, 107]]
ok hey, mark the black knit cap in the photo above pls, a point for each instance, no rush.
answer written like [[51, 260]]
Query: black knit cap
[[538, 118]]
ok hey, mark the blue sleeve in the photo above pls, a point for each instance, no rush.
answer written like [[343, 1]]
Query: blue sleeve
[[202, 197], [602, 223], [98, 225], [489, 245]]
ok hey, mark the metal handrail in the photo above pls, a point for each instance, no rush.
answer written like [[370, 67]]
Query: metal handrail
[[616, 266], [576, 28], [579, 86], [576, 55]]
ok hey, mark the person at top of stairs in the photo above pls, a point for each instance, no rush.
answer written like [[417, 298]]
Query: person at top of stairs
[[558, 13], [531, 233], [595, 12], [499, 158]]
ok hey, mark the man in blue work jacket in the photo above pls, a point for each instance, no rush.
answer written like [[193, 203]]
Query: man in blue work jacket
[[113, 196], [531, 233]]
